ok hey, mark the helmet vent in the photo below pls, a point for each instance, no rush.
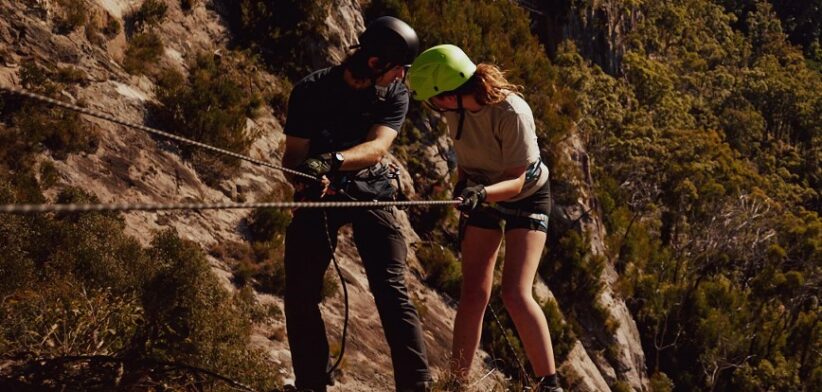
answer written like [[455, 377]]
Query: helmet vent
[[436, 88], [462, 74]]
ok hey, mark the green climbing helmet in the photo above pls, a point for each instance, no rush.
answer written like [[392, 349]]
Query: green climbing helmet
[[439, 69]]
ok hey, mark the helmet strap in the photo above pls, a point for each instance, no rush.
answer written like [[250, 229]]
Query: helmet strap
[[460, 109], [382, 92]]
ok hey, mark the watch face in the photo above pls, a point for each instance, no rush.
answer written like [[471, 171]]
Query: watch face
[[339, 157]]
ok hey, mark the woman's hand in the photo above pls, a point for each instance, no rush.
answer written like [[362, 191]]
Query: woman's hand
[[472, 197]]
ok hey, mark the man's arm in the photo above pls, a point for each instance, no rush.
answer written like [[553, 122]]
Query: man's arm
[[371, 151], [296, 150]]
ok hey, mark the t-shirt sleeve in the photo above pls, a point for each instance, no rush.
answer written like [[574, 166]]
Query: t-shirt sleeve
[[392, 113], [300, 121], [519, 140]]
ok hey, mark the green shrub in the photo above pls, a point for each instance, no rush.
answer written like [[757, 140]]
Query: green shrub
[[33, 126], [150, 13], [67, 318], [622, 386], [112, 27], [443, 270], [190, 318], [74, 284], [661, 383], [258, 264], [282, 32], [72, 15], [144, 49], [269, 224], [71, 75], [48, 174], [562, 335], [501, 341], [60, 131], [210, 105]]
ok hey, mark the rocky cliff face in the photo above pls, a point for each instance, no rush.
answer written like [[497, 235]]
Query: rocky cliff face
[[626, 360], [130, 166], [598, 28]]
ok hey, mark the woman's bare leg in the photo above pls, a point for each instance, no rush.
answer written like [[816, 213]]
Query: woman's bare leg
[[523, 250], [479, 253]]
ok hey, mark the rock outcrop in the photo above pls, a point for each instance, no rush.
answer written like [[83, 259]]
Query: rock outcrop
[[130, 166], [626, 362]]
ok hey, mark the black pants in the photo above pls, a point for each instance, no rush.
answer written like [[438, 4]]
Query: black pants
[[383, 252]]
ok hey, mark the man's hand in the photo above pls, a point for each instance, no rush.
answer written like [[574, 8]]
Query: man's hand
[[306, 189], [472, 197], [317, 165]]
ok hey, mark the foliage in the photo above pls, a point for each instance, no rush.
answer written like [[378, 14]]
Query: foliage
[[112, 27], [150, 13], [500, 340], [72, 15], [708, 166], [563, 337], [280, 31], [259, 263], [442, 268], [142, 53], [800, 19], [76, 285], [31, 128], [210, 105]]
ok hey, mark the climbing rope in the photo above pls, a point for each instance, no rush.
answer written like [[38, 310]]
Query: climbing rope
[[41, 208], [103, 116], [44, 208], [526, 380], [344, 333]]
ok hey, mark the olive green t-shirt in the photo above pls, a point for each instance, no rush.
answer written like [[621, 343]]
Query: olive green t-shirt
[[496, 138]]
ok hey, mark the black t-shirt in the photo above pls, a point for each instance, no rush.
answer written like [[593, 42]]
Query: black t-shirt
[[334, 116]]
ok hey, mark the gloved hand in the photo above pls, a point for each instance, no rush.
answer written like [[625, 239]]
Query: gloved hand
[[317, 165], [472, 197]]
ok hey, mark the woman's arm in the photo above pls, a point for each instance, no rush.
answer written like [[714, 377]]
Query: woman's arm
[[508, 188]]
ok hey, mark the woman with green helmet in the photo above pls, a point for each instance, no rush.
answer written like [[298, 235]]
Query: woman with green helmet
[[504, 189]]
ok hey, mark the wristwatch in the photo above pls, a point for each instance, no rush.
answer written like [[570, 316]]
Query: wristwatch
[[337, 160]]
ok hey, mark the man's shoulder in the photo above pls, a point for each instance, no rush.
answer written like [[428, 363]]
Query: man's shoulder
[[399, 93], [316, 78]]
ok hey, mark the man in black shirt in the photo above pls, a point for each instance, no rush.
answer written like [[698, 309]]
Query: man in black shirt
[[341, 120]]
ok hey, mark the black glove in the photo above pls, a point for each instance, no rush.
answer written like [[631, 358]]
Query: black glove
[[472, 197], [317, 165]]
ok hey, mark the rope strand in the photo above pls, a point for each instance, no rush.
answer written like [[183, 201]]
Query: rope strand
[[41, 208], [103, 116]]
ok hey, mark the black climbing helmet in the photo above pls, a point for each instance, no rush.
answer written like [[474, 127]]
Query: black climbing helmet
[[391, 40]]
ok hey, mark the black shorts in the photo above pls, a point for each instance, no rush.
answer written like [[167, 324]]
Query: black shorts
[[529, 213]]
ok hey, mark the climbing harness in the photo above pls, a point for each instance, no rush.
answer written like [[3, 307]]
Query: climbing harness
[[540, 219], [368, 188]]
